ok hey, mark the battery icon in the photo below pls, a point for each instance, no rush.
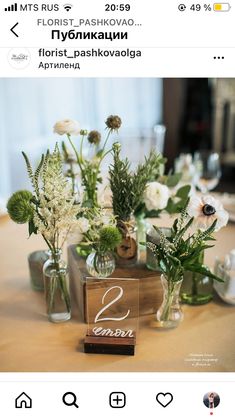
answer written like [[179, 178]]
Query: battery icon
[[221, 7]]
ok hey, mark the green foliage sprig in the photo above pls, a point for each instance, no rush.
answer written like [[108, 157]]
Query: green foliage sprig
[[90, 169], [128, 187], [49, 209], [182, 250], [101, 233]]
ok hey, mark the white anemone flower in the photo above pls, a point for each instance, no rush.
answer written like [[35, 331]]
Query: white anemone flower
[[205, 210], [156, 196]]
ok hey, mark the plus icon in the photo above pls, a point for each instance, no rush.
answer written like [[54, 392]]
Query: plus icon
[[117, 400]]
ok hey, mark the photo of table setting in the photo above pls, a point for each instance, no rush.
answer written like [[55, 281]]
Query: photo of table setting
[[118, 249]]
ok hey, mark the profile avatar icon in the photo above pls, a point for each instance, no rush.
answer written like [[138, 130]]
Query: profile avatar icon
[[211, 400]]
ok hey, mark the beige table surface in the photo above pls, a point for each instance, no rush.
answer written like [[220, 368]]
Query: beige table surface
[[204, 341]]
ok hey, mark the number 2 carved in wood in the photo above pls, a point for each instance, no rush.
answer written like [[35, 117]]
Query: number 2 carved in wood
[[119, 296]]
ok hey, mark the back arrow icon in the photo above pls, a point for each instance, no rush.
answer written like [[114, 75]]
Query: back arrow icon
[[13, 27]]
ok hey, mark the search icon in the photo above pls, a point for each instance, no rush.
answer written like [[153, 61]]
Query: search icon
[[70, 399]]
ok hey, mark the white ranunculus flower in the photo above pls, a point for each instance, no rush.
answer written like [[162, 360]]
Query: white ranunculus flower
[[67, 126], [156, 196], [83, 225], [207, 209]]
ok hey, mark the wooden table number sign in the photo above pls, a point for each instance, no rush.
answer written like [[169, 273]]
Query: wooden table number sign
[[113, 316]]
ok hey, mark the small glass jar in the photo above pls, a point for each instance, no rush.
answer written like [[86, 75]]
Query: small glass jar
[[100, 265], [56, 288], [154, 237], [169, 315], [36, 262]]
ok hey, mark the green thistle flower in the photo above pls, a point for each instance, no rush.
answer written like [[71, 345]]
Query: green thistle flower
[[19, 207], [110, 238], [94, 137], [83, 132], [113, 122], [116, 147]]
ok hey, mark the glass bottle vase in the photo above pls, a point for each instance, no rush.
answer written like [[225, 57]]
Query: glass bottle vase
[[56, 288], [100, 265], [169, 315]]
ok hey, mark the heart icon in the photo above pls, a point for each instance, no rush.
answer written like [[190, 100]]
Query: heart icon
[[164, 399]]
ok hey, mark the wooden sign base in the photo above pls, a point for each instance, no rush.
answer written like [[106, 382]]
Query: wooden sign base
[[109, 345]]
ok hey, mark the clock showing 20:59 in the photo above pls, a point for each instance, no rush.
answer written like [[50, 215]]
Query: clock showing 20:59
[[117, 7]]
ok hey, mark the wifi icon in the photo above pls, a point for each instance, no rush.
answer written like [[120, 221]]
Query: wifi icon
[[68, 7]]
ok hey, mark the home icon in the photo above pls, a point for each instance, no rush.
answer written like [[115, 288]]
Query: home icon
[[23, 401]]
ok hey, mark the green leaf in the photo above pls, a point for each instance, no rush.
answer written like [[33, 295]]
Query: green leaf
[[88, 204], [162, 266], [205, 247], [65, 151], [193, 254], [197, 268], [162, 160], [174, 260], [207, 233], [140, 210], [209, 239], [171, 206], [174, 226], [32, 228], [184, 229], [183, 192], [99, 154], [162, 179], [173, 180], [152, 214], [158, 230]]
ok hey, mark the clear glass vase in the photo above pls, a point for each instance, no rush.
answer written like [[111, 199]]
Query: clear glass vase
[[100, 265], [127, 251], [197, 289], [36, 262], [56, 288], [170, 314]]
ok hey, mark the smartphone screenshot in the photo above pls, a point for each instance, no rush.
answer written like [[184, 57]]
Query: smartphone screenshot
[[117, 208]]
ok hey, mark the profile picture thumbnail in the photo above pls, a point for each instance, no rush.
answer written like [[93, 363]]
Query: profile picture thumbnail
[[211, 400]]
